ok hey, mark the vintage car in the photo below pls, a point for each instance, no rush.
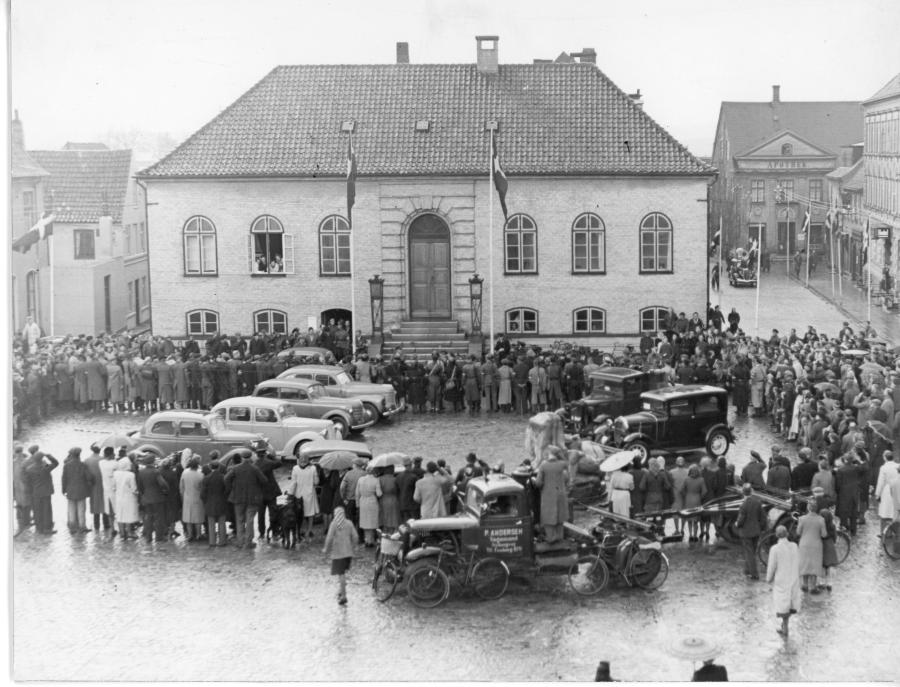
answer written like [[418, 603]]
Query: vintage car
[[274, 420], [678, 419], [379, 400], [303, 355], [308, 399], [742, 268], [170, 431], [614, 391], [314, 450]]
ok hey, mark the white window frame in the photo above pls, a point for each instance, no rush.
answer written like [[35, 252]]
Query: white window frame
[[520, 315], [200, 232], [589, 233], [205, 329], [590, 314], [650, 240], [659, 319], [334, 228], [518, 236], [268, 225], [267, 325]]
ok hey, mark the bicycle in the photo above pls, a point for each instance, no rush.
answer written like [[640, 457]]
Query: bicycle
[[428, 580], [842, 541], [890, 540]]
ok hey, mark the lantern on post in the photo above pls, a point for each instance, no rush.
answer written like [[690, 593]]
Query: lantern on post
[[376, 295], [476, 340]]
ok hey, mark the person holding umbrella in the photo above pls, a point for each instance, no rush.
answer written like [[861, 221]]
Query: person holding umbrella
[[695, 648]]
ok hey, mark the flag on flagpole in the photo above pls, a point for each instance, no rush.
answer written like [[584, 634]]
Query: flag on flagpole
[[351, 179], [500, 182], [714, 244], [38, 232]]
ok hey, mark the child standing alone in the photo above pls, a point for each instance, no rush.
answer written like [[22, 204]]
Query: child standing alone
[[340, 542]]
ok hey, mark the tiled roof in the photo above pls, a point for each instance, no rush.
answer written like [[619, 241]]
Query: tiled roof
[[22, 165], [851, 178], [75, 145], [890, 89], [553, 119], [827, 125], [85, 183]]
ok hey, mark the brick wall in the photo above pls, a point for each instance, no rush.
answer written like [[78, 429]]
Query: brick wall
[[384, 208]]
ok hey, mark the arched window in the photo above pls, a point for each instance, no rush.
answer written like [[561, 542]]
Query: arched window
[[202, 322], [271, 251], [521, 321], [31, 294], [653, 319], [588, 244], [520, 238], [334, 246], [589, 321], [656, 243], [199, 235], [270, 322]]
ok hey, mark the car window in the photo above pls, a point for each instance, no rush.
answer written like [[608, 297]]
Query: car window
[[268, 392], [607, 388], [266, 415], [220, 413], [239, 414], [680, 407], [316, 391], [654, 405], [193, 428], [342, 378], [474, 499], [504, 504], [287, 411], [708, 405], [325, 379], [166, 427], [288, 392]]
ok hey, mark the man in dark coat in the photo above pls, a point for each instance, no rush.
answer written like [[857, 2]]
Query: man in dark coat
[[750, 522], [77, 485], [753, 471], [846, 486], [246, 487], [215, 502], [92, 463], [406, 488], [267, 467], [804, 471], [152, 489], [39, 481], [779, 477]]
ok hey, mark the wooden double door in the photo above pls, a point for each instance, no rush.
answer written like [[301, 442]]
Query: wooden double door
[[429, 268]]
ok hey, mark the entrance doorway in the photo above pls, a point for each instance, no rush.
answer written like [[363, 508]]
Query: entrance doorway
[[337, 314], [429, 268]]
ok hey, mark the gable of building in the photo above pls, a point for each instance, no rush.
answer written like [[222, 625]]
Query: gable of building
[[85, 185], [890, 90], [787, 144], [553, 119]]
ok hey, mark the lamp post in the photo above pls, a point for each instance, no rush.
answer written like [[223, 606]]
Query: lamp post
[[376, 296], [476, 339]]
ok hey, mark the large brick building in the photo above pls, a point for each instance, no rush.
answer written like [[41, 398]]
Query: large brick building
[[604, 228]]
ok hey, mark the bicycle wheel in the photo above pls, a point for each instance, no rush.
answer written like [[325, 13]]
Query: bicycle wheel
[[890, 540], [648, 569], [589, 575], [842, 546], [766, 542], [490, 577], [427, 585], [386, 579]]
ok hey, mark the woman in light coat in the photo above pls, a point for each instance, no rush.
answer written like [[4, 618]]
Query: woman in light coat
[[126, 493], [887, 475], [340, 542], [621, 484], [192, 511], [783, 572], [304, 478], [368, 491], [811, 530]]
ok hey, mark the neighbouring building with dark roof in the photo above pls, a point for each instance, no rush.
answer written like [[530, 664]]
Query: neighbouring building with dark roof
[[772, 159], [881, 202], [844, 193], [249, 227], [91, 274]]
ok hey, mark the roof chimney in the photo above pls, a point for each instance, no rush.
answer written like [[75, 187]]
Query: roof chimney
[[587, 56], [637, 98], [17, 133], [488, 50], [402, 53], [776, 94]]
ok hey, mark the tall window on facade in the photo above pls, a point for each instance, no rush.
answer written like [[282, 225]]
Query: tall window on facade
[[270, 321], [520, 239], [758, 191], [84, 244], [815, 190], [656, 243], [202, 322], [653, 319], [588, 244], [31, 294], [589, 321], [199, 236], [521, 321], [271, 251], [334, 246], [784, 191]]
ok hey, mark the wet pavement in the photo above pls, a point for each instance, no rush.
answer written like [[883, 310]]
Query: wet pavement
[[90, 609]]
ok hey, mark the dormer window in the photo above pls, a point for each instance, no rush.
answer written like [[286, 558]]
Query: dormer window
[[348, 126], [423, 125], [787, 149], [492, 125]]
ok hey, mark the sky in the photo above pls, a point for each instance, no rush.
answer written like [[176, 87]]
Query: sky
[[88, 70]]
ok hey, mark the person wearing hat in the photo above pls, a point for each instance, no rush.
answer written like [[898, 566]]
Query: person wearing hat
[[98, 502], [125, 491], [406, 489], [753, 471], [846, 486], [710, 672], [245, 485], [802, 473], [779, 475], [348, 488], [888, 475], [750, 523], [783, 573], [429, 492], [340, 542], [77, 485], [603, 674], [489, 382], [21, 492], [152, 489], [39, 481]]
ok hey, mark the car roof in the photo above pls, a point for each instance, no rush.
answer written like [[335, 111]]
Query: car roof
[[683, 391], [323, 446], [495, 483], [261, 401], [621, 372], [175, 415], [285, 352], [294, 383], [331, 369]]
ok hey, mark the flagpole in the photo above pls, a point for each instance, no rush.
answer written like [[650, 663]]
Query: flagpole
[[354, 324], [719, 265], [491, 240], [808, 224], [868, 272], [758, 273], [831, 232], [840, 266], [52, 292]]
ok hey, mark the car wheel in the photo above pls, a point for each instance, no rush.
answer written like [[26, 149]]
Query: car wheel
[[371, 411], [641, 448], [342, 425], [300, 444], [717, 443]]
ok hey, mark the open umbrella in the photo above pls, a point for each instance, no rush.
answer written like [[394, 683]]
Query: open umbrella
[[855, 353], [118, 439], [881, 429], [695, 648], [337, 460], [827, 386], [617, 461], [385, 459]]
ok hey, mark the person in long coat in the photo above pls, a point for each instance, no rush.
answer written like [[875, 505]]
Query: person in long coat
[[170, 469], [656, 486], [389, 503], [95, 375], [215, 504], [471, 376], [126, 492], [39, 481], [21, 492], [846, 486], [416, 383], [783, 572], [192, 512], [164, 383], [677, 476], [107, 469], [621, 484], [368, 491], [77, 485], [79, 376], [65, 383], [825, 480], [552, 479], [693, 493], [98, 509], [148, 385], [130, 384], [811, 531], [329, 494], [304, 478], [504, 389], [115, 386], [180, 384], [888, 474]]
